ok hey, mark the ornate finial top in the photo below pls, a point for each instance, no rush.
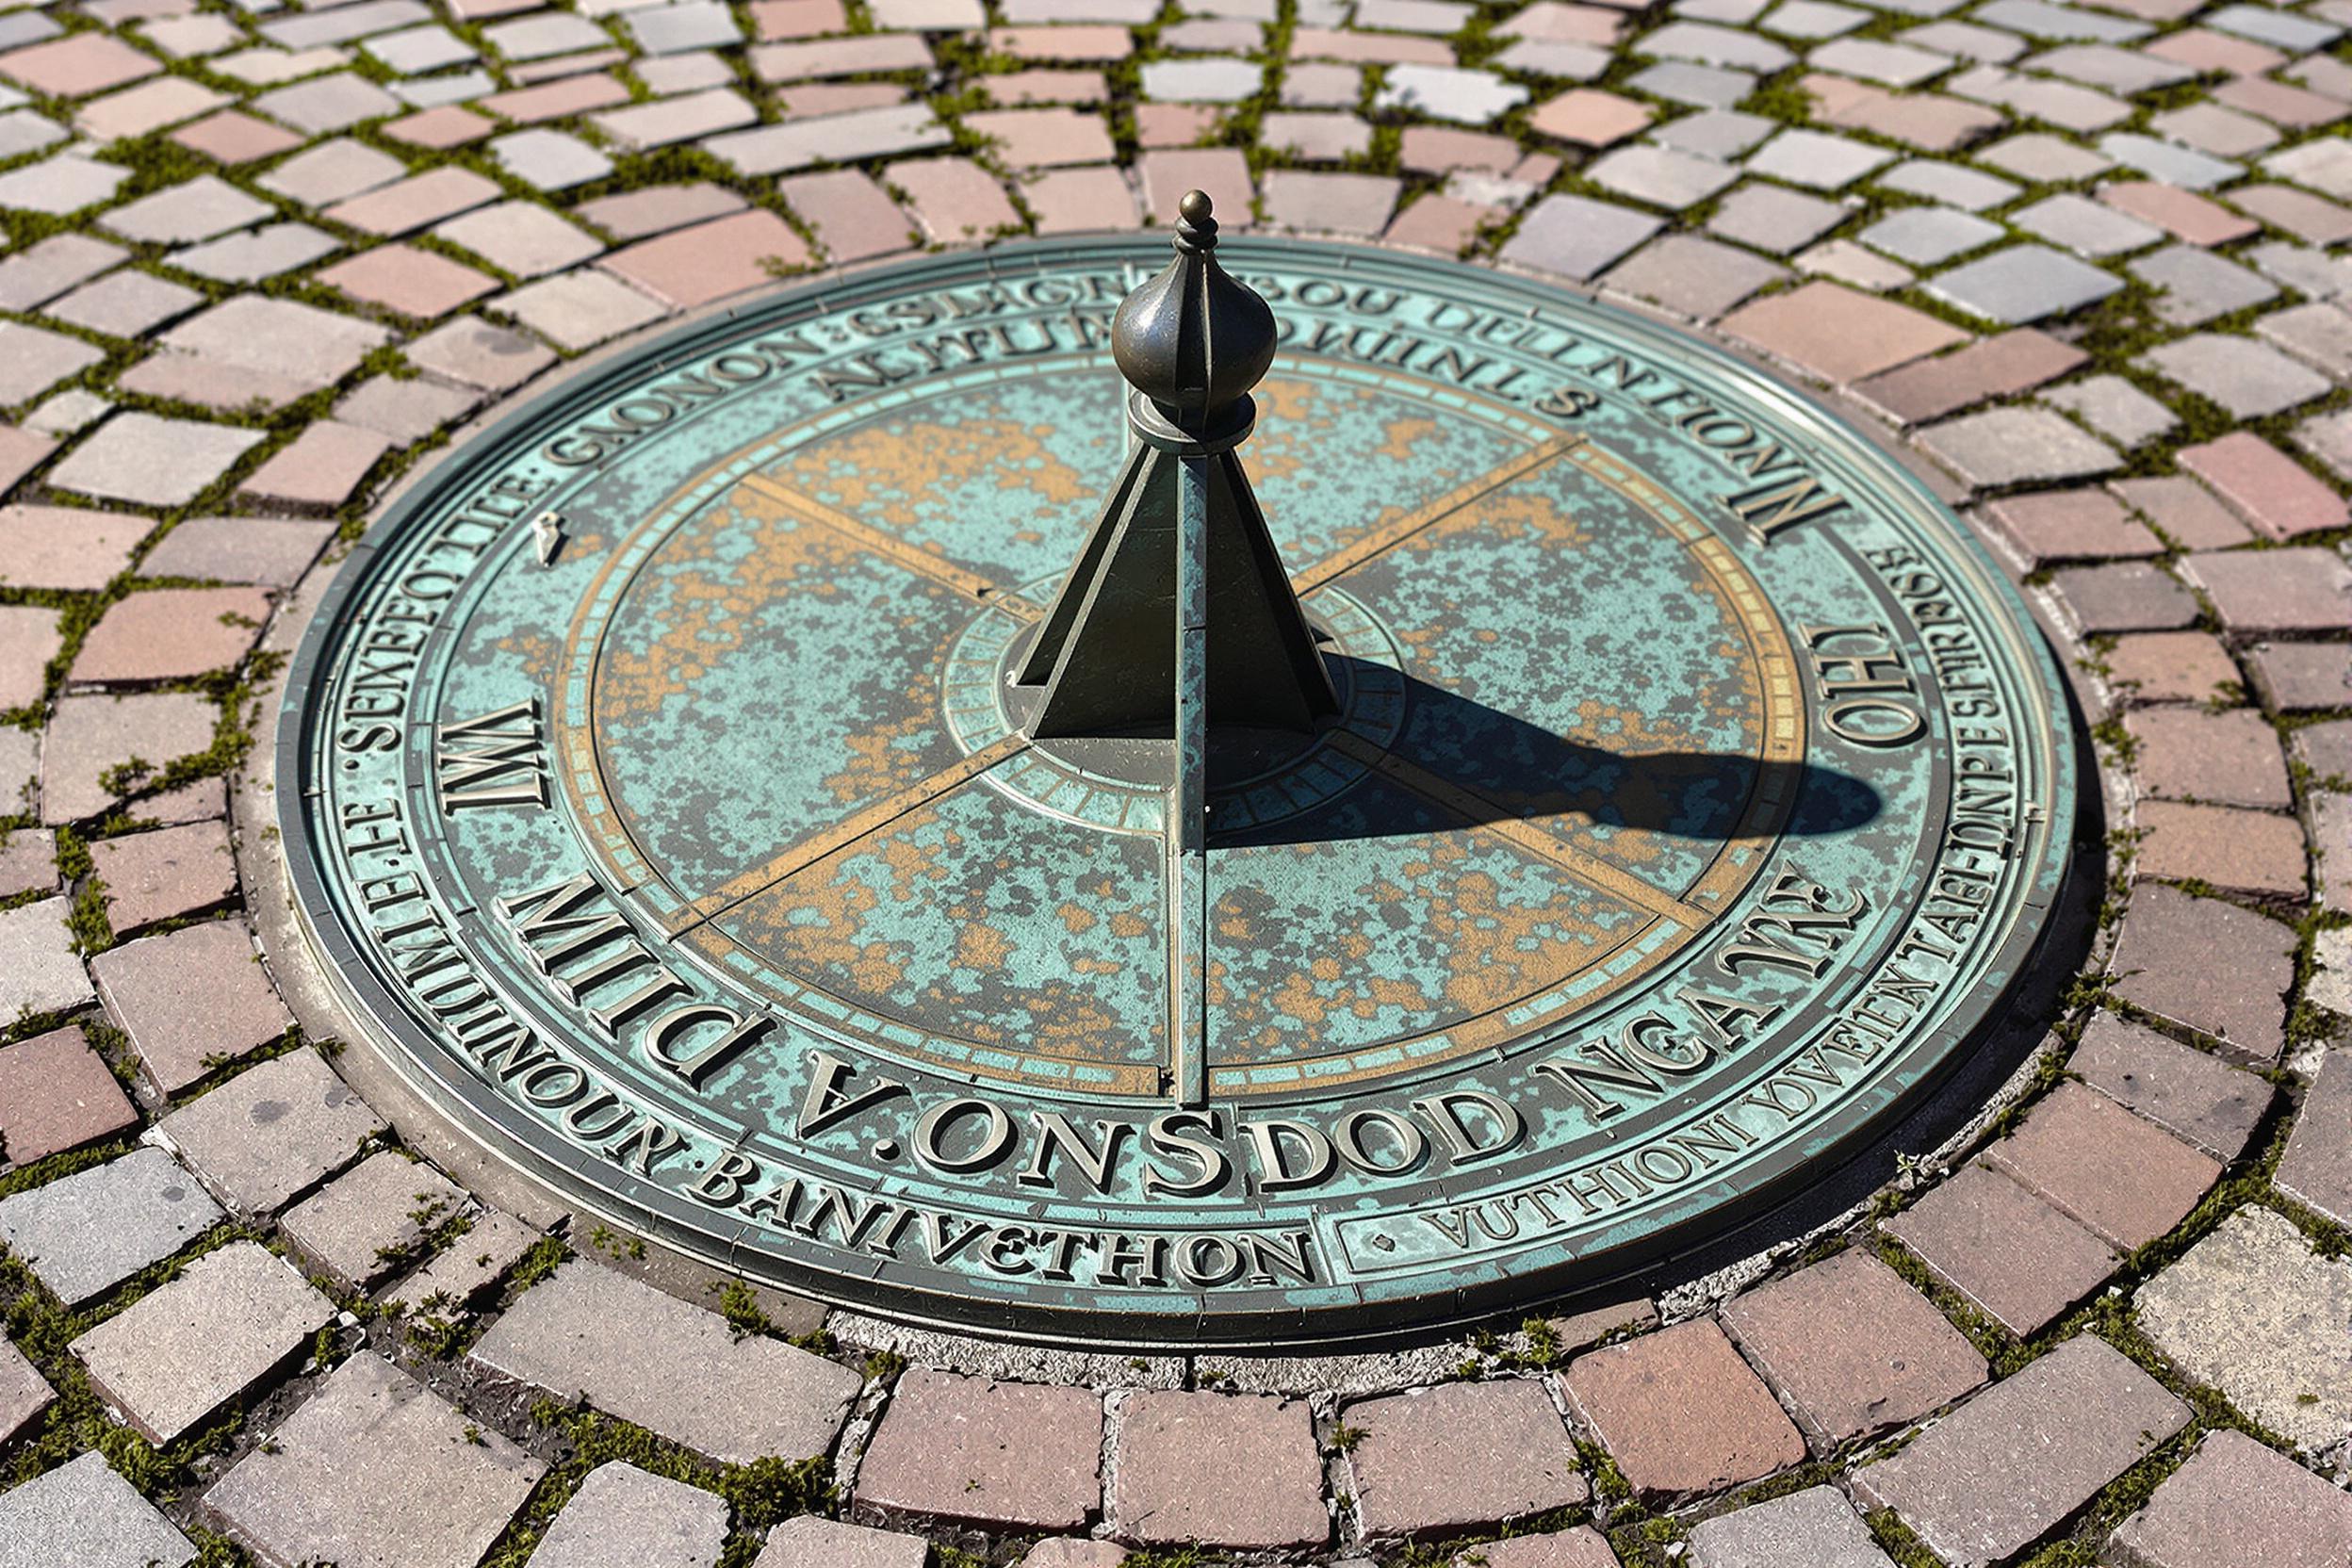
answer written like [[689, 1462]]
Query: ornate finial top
[[1194, 340]]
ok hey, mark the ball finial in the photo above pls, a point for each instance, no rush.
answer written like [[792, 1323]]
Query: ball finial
[[1195, 339]]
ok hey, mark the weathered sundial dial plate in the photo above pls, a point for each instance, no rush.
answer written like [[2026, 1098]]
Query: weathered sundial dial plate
[[660, 790]]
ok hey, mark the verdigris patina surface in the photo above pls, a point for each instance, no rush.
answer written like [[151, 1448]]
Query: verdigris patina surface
[[660, 788]]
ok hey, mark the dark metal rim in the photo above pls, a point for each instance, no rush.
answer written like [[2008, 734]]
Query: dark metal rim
[[1162, 1322]]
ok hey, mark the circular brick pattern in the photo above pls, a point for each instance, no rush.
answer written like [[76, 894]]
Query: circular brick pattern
[[2081, 263]]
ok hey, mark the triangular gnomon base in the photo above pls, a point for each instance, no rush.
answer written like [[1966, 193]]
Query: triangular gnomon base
[[1107, 652]]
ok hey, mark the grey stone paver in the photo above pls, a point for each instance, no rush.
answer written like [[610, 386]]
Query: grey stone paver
[[549, 160], [2021, 284], [851, 137], [623, 1515], [264, 253], [180, 1353], [2316, 1170], [2006, 1467], [143, 458], [1816, 1527], [2254, 1312], [590, 1333], [1465, 97], [124, 304], [62, 185], [1576, 237], [810, 1541], [358, 1227], [32, 361], [2249, 380], [2113, 408], [84, 1514], [87, 1233], [270, 1132], [42, 271], [1970, 189], [2196, 286], [521, 238], [2005, 446], [479, 354], [2086, 227], [1661, 175], [39, 973], [1925, 235], [1817, 160], [440, 1488], [204, 206], [579, 310], [1772, 219], [491, 1243]]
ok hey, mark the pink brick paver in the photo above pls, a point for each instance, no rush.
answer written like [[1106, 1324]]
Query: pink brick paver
[[1222, 171], [2227, 758], [77, 66], [2171, 666], [321, 469], [1998, 366], [409, 281], [1416, 1477], [1075, 199], [171, 632], [2126, 1180], [852, 217], [2070, 524], [2236, 1504], [1589, 118], [190, 1000], [1235, 1470], [993, 1453], [1836, 332], [1581, 1547], [415, 202], [1895, 1360], [164, 873], [2012, 1257], [955, 199], [2266, 486], [1680, 1413], [29, 638], [2247, 852], [234, 136], [2185, 215], [56, 1094], [693, 267]]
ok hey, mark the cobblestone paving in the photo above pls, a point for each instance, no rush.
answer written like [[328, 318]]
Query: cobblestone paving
[[2087, 261]]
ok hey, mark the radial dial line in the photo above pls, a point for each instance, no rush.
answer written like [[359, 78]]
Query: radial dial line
[[1476, 808], [912, 556], [850, 830], [1382, 540]]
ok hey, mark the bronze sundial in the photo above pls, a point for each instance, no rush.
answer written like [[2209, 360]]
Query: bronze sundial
[[1349, 803]]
